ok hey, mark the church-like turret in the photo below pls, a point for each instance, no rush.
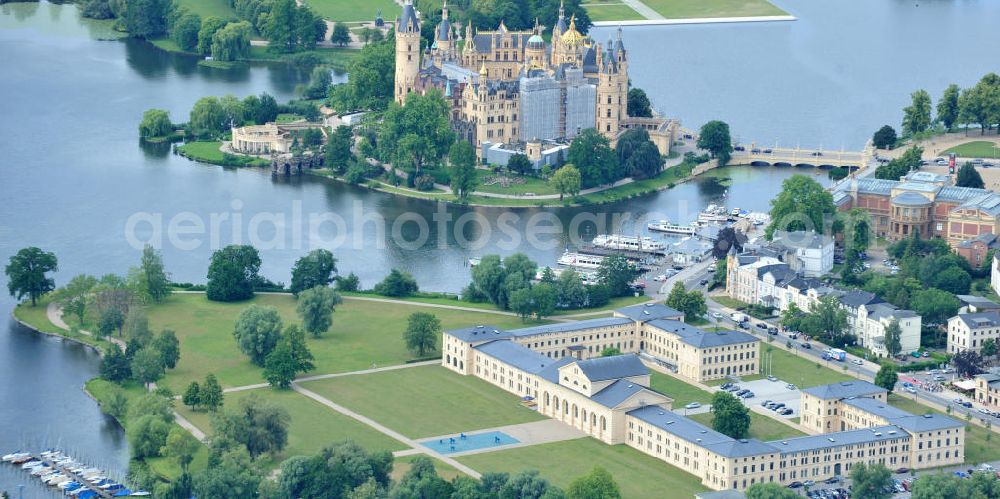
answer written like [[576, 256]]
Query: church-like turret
[[407, 51]]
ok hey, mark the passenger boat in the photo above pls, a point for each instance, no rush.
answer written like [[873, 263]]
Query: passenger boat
[[713, 213], [671, 228], [580, 260], [474, 261], [630, 243]]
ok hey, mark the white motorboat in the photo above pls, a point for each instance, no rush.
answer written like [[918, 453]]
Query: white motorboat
[[579, 260], [671, 228], [714, 213], [616, 242]]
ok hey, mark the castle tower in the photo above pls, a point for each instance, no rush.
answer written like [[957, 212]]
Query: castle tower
[[557, 33], [407, 52], [612, 89], [444, 44], [534, 51]]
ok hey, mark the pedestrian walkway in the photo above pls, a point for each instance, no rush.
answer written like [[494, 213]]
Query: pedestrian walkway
[[385, 430], [54, 314]]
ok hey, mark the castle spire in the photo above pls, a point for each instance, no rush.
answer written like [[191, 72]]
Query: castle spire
[[444, 15]]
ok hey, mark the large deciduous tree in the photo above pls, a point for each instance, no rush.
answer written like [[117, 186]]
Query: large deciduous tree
[[714, 138], [617, 273], [371, 85], [566, 180], [637, 155], [947, 107], [317, 268], [462, 158], [257, 332], [232, 273], [315, 307], [27, 274], [917, 116], [185, 31], [885, 137], [232, 42], [969, 177], [887, 377], [598, 484], [591, 153], [155, 123], [418, 133], [338, 149], [803, 204], [892, 338], [729, 415], [871, 481], [397, 284], [638, 104], [771, 490], [421, 333]]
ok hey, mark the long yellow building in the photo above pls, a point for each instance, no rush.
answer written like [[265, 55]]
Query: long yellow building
[[559, 367]]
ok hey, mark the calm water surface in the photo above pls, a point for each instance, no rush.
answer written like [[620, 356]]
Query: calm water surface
[[73, 171]]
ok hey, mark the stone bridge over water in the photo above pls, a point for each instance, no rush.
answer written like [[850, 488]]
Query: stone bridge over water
[[761, 156]]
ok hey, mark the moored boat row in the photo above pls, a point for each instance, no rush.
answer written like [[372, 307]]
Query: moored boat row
[[75, 479]]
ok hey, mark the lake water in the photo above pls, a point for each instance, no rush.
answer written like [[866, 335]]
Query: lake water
[[74, 173]]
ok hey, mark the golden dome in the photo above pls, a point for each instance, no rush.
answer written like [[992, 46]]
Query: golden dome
[[482, 70], [572, 35]]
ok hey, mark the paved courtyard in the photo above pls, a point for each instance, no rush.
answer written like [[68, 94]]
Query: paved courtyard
[[775, 391]]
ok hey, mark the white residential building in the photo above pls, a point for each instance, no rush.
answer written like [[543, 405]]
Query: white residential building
[[995, 273], [767, 281], [969, 331], [807, 252]]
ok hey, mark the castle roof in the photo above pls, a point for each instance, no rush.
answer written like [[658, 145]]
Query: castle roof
[[408, 21]]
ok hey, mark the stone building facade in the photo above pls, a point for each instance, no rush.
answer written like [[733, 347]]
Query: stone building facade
[[510, 86]]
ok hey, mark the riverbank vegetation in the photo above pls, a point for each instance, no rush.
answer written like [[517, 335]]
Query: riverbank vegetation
[[977, 106]]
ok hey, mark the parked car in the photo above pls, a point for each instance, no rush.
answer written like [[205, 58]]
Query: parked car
[[716, 315], [768, 151], [808, 483], [791, 387], [807, 346], [795, 485], [772, 330], [833, 479], [764, 403], [693, 405], [725, 385], [762, 325], [748, 395], [858, 362], [744, 325], [902, 470], [740, 393], [968, 405], [772, 378], [786, 411], [779, 405], [911, 389], [939, 378]]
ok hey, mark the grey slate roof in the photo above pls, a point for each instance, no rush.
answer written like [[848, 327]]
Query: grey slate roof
[[855, 299], [991, 379], [515, 355], [721, 494], [844, 389], [484, 41], [444, 30], [801, 239], [990, 318], [561, 327], [616, 367], [699, 434], [408, 19], [618, 392], [551, 372], [479, 333], [927, 422], [825, 440], [876, 407], [645, 312], [703, 339], [910, 199], [888, 311], [978, 301]]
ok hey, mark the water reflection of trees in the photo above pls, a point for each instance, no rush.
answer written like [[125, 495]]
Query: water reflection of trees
[[713, 186], [155, 150]]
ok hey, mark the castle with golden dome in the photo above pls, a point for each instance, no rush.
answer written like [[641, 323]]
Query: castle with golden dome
[[512, 90]]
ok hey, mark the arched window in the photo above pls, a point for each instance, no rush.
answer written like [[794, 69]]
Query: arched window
[[604, 424]]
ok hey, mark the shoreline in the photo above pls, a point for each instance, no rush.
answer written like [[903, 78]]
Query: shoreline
[[695, 20], [78, 341]]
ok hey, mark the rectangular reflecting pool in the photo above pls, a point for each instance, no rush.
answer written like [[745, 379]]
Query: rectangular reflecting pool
[[459, 443]]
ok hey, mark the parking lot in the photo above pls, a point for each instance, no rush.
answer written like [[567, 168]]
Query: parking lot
[[774, 391]]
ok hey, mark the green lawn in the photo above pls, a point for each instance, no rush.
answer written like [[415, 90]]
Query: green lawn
[[976, 149], [209, 152], [612, 12], [791, 368], [362, 333], [728, 302], [685, 9], [353, 10], [681, 392], [532, 185], [978, 449], [426, 401], [311, 428], [639, 476], [761, 427], [209, 8], [37, 318]]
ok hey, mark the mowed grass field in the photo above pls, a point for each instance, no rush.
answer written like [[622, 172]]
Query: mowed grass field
[[639, 476], [791, 368], [363, 333], [975, 149], [681, 392], [209, 8], [354, 10], [687, 9], [425, 401], [611, 11], [312, 426]]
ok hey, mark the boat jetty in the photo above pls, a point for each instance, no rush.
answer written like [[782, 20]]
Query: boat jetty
[[74, 479]]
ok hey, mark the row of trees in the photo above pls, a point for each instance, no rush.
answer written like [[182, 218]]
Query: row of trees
[[507, 283], [977, 105]]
